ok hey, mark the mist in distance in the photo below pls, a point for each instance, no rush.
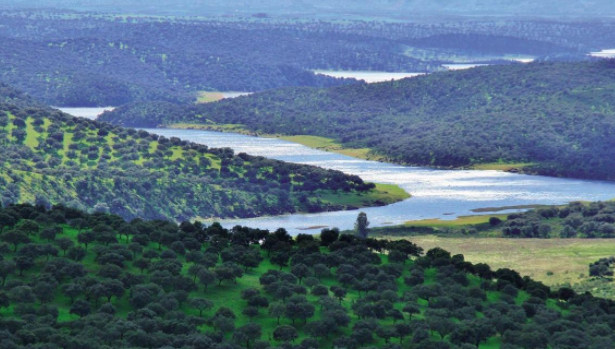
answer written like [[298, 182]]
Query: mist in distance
[[368, 8]]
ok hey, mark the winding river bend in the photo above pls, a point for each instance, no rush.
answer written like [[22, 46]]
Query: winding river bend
[[443, 194]]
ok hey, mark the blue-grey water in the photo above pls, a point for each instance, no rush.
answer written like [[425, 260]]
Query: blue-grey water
[[88, 113], [443, 194]]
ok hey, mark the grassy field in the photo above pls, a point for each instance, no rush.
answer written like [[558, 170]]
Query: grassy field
[[454, 223], [552, 261]]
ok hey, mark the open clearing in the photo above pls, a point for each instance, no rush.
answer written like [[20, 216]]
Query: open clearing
[[567, 259]]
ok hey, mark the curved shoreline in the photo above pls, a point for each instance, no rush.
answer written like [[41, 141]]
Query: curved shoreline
[[330, 145]]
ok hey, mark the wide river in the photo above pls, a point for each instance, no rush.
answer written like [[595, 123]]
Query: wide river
[[443, 194]]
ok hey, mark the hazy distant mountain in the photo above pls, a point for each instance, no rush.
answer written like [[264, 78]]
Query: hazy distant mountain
[[376, 7]]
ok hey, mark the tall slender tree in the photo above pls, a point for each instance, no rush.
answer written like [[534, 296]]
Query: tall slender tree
[[362, 225]]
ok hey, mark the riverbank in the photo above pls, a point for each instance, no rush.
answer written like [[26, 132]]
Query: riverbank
[[321, 201], [435, 193], [314, 142], [478, 226], [330, 145], [381, 195]]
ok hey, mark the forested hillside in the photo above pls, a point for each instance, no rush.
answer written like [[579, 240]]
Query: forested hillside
[[557, 117], [49, 157], [112, 66], [75, 280], [73, 59], [70, 60], [486, 44]]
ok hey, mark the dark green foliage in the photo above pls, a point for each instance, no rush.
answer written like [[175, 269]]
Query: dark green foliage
[[547, 114], [285, 333], [602, 268], [104, 301], [361, 225], [594, 220], [329, 236], [112, 62]]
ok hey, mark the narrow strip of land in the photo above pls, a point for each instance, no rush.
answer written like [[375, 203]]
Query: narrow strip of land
[[331, 145]]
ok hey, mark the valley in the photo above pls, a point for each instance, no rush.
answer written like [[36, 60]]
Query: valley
[[305, 175], [51, 158]]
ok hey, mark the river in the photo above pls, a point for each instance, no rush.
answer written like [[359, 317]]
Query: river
[[88, 113], [443, 194], [608, 53], [369, 77]]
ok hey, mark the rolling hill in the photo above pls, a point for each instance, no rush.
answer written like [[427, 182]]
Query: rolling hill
[[49, 157], [554, 118], [76, 280]]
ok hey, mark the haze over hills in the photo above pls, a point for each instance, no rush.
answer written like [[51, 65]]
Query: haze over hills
[[88, 59], [386, 8], [557, 117]]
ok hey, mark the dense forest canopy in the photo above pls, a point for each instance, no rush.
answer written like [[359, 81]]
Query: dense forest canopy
[[576, 220], [81, 59], [339, 8], [49, 157], [556, 116], [74, 280]]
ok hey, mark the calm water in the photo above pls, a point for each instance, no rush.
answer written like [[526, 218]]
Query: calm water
[[462, 66], [604, 53], [369, 76], [436, 193], [88, 113], [235, 94]]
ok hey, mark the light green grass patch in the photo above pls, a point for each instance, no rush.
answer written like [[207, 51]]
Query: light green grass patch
[[567, 259], [496, 166], [330, 145], [458, 222]]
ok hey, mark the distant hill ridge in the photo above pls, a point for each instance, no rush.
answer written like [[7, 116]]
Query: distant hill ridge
[[380, 7]]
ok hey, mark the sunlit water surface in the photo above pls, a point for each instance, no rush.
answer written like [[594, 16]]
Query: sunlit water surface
[[443, 194]]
